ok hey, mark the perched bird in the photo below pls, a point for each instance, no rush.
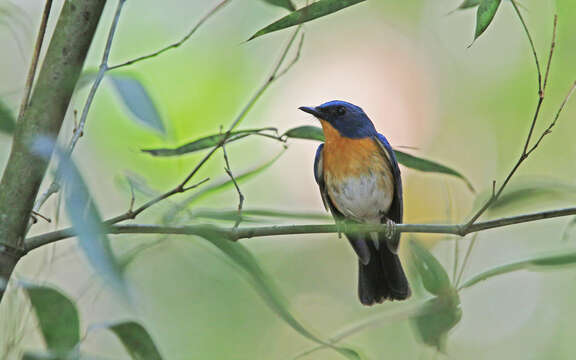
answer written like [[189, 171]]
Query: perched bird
[[359, 180]]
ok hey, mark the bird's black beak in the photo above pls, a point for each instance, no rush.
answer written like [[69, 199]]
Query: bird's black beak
[[311, 110]]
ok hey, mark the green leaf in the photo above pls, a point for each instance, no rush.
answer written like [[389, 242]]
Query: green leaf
[[431, 272], [313, 11], [206, 142], [7, 119], [137, 100], [85, 218], [136, 340], [549, 261], [307, 132], [425, 165], [266, 288], [286, 4], [469, 4], [57, 316], [439, 316], [484, 15], [410, 161]]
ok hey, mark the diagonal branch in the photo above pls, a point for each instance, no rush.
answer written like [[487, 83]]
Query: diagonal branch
[[526, 151]]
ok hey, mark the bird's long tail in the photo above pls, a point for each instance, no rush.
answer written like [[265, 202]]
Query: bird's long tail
[[382, 278]]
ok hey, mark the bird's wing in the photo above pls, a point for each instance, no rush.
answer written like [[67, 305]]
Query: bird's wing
[[356, 240], [395, 213]]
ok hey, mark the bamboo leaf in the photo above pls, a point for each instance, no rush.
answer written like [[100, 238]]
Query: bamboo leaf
[[205, 142], [425, 165], [267, 289], [7, 119], [85, 218], [57, 316], [286, 4], [307, 132], [138, 102], [485, 15], [431, 272], [438, 317], [313, 11], [466, 4], [410, 161], [550, 261], [136, 340]]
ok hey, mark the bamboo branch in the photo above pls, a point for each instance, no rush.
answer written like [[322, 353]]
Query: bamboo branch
[[42, 117], [235, 234]]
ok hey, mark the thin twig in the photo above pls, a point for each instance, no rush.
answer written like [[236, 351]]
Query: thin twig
[[35, 57], [79, 129], [131, 214], [552, 47], [526, 151], [532, 47], [275, 230], [553, 123], [228, 171], [103, 68], [177, 44], [466, 258], [243, 113]]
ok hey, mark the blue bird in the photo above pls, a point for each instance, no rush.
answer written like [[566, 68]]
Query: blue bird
[[359, 180]]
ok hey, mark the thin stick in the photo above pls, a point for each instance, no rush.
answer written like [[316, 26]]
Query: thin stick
[[240, 195], [35, 57], [177, 44], [262, 231], [79, 129], [466, 258], [526, 151]]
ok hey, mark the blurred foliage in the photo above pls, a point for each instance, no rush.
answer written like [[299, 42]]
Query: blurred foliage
[[301, 281], [7, 120]]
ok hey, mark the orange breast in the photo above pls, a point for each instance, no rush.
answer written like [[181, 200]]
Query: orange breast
[[343, 157]]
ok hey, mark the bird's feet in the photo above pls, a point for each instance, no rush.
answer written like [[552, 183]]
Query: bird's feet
[[390, 229]]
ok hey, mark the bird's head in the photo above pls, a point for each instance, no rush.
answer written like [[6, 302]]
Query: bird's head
[[348, 119]]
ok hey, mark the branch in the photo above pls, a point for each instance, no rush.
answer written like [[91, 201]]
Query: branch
[[79, 129], [44, 115], [234, 234], [541, 91], [176, 44], [102, 70], [241, 198], [181, 187]]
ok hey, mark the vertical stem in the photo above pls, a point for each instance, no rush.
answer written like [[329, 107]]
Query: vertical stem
[[42, 117]]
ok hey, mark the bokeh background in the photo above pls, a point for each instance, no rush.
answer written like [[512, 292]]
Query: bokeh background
[[409, 66]]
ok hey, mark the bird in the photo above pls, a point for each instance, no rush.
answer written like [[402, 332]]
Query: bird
[[359, 181]]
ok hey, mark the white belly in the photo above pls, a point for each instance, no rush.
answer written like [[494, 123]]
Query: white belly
[[364, 198]]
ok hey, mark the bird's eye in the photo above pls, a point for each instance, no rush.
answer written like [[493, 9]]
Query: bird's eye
[[340, 110]]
